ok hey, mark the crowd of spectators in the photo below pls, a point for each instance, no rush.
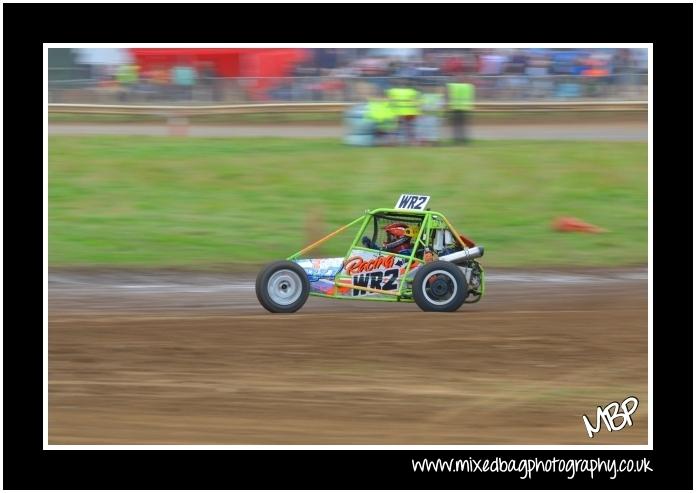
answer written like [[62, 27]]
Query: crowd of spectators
[[499, 74], [180, 82]]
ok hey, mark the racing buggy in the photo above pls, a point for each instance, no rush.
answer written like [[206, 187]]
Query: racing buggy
[[408, 253]]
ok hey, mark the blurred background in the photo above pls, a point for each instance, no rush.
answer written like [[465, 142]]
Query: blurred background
[[197, 152], [338, 74]]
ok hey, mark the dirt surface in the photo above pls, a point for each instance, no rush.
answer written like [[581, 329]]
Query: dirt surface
[[600, 131], [184, 358]]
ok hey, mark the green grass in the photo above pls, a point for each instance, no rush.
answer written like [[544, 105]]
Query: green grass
[[336, 118], [290, 118], [158, 201]]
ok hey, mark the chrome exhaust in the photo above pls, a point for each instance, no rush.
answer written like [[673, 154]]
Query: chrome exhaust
[[464, 255]]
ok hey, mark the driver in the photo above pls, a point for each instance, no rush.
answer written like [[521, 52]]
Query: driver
[[399, 239]]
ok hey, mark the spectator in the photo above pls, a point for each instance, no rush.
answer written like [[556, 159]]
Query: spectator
[[209, 82], [162, 81], [359, 127], [460, 103], [597, 73], [127, 77], [428, 123], [405, 101], [184, 78], [515, 81], [537, 71], [452, 65], [383, 119]]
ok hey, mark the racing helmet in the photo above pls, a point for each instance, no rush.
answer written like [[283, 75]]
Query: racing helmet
[[398, 236]]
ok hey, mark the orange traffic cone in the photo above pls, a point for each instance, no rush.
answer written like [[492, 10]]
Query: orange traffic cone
[[572, 224]]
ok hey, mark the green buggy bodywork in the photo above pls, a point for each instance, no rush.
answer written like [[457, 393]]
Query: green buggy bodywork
[[367, 273], [437, 269]]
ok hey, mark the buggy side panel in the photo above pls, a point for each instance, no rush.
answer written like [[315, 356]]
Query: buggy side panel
[[380, 272], [321, 273]]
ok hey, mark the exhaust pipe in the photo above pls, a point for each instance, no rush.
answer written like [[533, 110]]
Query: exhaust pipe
[[464, 255]]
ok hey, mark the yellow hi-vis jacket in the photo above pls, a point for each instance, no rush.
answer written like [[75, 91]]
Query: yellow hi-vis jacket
[[460, 96], [381, 113], [405, 101]]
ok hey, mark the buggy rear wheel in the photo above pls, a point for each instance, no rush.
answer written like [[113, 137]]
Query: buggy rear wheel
[[439, 287], [282, 287]]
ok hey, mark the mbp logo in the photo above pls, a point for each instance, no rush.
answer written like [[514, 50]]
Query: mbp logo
[[610, 413]]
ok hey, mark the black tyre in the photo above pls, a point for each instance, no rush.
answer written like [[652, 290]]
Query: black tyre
[[282, 287], [439, 287]]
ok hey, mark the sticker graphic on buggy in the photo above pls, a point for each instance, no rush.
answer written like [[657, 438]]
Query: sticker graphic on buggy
[[365, 269], [321, 273], [384, 281], [357, 264]]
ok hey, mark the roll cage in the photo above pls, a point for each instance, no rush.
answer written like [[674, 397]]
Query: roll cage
[[434, 232]]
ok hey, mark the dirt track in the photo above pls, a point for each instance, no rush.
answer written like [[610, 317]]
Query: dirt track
[[176, 358]]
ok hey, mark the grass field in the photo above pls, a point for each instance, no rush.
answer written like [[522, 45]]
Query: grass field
[[151, 201], [336, 118]]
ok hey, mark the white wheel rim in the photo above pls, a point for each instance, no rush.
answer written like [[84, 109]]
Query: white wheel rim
[[284, 287], [434, 298]]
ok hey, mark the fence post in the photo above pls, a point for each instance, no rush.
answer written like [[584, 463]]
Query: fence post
[[314, 227], [178, 126]]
